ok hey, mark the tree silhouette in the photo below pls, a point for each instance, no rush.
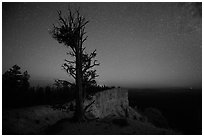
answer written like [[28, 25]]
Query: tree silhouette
[[15, 80], [14, 86], [71, 32]]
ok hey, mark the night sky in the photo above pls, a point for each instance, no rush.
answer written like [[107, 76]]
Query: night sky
[[138, 44]]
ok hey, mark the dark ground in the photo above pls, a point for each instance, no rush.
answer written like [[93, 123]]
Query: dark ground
[[181, 107]]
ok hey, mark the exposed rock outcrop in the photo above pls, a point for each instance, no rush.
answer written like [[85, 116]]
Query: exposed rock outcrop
[[112, 102]]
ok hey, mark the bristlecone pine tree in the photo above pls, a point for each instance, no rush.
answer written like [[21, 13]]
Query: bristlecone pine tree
[[71, 32]]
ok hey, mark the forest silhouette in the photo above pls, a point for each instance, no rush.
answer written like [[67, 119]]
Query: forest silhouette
[[17, 91]]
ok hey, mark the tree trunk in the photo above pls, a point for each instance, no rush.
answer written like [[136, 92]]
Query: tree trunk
[[79, 114]]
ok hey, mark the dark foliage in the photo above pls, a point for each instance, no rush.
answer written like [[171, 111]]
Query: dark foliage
[[15, 84], [14, 77], [38, 96]]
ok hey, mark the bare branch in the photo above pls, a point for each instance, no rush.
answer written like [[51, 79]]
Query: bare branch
[[71, 53], [84, 39], [84, 24], [88, 105], [69, 69], [86, 67], [83, 49], [62, 19], [70, 62], [83, 32]]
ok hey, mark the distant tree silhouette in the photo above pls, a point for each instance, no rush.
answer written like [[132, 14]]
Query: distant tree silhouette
[[71, 32], [14, 83], [16, 80]]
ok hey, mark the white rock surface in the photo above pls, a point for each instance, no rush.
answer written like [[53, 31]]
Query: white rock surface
[[112, 102]]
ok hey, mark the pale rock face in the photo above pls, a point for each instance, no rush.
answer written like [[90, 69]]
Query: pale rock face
[[112, 102]]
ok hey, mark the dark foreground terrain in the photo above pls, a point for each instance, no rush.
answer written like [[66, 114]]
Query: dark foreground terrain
[[44, 120], [181, 107], [181, 113], [107, 126]]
